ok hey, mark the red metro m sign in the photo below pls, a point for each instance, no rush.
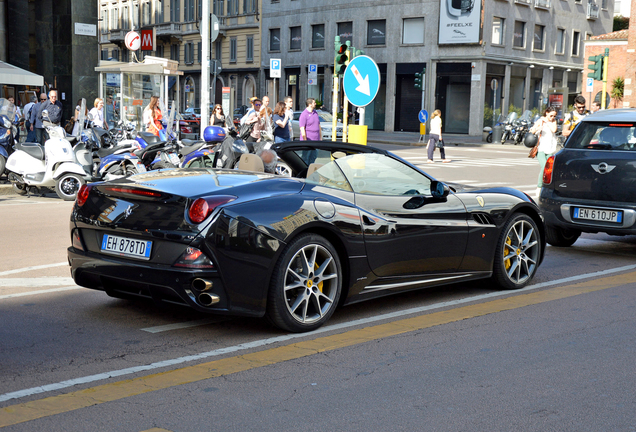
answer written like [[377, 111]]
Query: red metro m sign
[[147, 40]]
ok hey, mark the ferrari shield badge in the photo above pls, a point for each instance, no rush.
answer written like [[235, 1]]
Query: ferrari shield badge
[[480, 200]]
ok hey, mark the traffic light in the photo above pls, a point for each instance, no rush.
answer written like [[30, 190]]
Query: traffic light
[[419, 79], [341, 59], [596, 67]]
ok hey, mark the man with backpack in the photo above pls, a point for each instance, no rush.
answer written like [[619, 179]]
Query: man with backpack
[[575, 116]]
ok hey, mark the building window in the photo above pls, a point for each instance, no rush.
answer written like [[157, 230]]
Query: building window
[[519, 37], [539, 32], [115, 54], [158, 12], [145, 14], [125, 56], [217, 9], [104, 54], [249, 6], [104, 24], [188, 53], [295, 38], [233, 50], [497, 31], [576, 41], [174, 52], [114, 19], [232, 7], [124, 18], [413, 31], [318, 36], [199, 52], [250, 49], [560, 41], [274, 39], [159, 51], [175, 12], [376, 32], [345, 31], [188, 12], [135, 17], [218, 47], [604, 5]]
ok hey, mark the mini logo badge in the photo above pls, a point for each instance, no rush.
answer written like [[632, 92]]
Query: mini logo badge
[[480, 200], [603, 168]]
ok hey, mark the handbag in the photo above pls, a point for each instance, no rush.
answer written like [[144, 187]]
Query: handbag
[[245, 131], [440, 144], [533, 151]]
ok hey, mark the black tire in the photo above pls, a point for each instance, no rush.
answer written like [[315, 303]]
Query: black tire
[[19, 188], [518, 253], [68, 185], [489, 138], [306, 285], [161, 165], [559, 237], [3, 164]]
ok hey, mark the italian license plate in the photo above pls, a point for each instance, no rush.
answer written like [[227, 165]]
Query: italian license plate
[[174, 159], [126, 247], [599, 215]]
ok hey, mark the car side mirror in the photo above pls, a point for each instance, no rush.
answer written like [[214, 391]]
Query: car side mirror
[[439, 189]]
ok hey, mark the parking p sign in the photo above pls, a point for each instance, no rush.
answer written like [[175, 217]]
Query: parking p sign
[[274, 68]]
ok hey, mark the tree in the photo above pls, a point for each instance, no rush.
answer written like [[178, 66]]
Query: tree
[[618, 85], [620, 23]]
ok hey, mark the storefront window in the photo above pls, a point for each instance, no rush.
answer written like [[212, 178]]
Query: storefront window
[[376, 32], [274, 39], [295, 38], [318, 36], [345, 31], [413, 31]]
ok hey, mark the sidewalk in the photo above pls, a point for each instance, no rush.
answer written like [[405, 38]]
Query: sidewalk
[[373, 137]]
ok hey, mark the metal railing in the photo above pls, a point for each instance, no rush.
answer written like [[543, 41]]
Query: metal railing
[[168, 29], [117, 35]]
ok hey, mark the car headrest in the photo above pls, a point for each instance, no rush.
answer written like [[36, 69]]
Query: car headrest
[[251, 162], [312, 167], [612, 135]]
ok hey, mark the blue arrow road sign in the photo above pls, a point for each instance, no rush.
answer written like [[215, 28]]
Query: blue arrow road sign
[[423, 116], [361, 81]]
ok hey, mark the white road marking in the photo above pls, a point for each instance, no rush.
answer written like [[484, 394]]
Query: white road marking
[[264, 342], [48, 291], [26, 269], [36, 282], [182, 325]]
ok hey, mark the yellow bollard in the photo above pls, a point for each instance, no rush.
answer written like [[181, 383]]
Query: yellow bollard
[[422, 128], [357, 134]]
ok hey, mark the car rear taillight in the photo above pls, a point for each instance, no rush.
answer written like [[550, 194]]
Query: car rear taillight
[[82, 195], [547, 170], [193, 258], [131, 191], [201, 208]]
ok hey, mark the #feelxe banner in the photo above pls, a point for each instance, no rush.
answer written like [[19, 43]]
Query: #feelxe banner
[[459, 21]]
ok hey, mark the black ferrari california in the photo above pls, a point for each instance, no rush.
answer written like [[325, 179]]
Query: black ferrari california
[[351, 223]]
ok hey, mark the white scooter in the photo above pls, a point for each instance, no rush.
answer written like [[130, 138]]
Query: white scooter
[[54, 165]]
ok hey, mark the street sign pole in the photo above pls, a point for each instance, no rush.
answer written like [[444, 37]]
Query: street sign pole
[[604, 95], [205, 67]]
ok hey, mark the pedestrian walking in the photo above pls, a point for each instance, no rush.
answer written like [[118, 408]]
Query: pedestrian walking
[[289, 103], [218, 118], [27, 118], [435, 138], [256, 119], [546, 126], [251, 110], [309, 123], [152, 116], [575, 116], [98, 113], [281, 121]]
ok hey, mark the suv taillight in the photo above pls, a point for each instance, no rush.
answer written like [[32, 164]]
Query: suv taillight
[[547, 170]]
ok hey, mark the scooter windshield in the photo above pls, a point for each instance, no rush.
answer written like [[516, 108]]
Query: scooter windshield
[[170, 121], [7, 109]]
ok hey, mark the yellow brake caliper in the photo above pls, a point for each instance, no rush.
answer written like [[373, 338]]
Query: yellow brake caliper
[[507, 263], [321, 282]]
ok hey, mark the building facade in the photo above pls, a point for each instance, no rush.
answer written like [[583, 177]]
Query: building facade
[[525, 50], [176, 25]]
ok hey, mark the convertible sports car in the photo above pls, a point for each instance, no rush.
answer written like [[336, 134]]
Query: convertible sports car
[[352, 223]]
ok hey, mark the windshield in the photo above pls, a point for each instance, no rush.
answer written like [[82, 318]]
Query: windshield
[[325, 117], [7, 108], [603, 136]]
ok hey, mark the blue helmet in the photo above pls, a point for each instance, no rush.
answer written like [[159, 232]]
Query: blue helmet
[[213, 134]]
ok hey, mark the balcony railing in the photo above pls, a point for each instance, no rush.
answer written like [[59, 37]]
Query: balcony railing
[[117, 35], [542, 3], [592, 11], [168, 29]]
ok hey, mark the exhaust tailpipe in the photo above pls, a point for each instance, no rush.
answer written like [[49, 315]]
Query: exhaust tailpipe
[[207, 299], [201, 285]]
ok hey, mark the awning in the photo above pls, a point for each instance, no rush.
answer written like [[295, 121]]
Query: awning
[[12, 75]]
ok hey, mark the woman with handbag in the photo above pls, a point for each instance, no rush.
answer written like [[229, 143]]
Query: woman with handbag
[[436, 137], [546, 126]]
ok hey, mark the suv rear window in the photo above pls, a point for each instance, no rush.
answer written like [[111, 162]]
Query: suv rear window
[[603, 136]]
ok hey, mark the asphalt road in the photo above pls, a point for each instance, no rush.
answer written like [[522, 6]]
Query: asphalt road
[[556, 356]]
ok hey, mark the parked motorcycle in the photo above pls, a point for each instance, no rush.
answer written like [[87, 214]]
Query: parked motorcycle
[[508, 129]]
